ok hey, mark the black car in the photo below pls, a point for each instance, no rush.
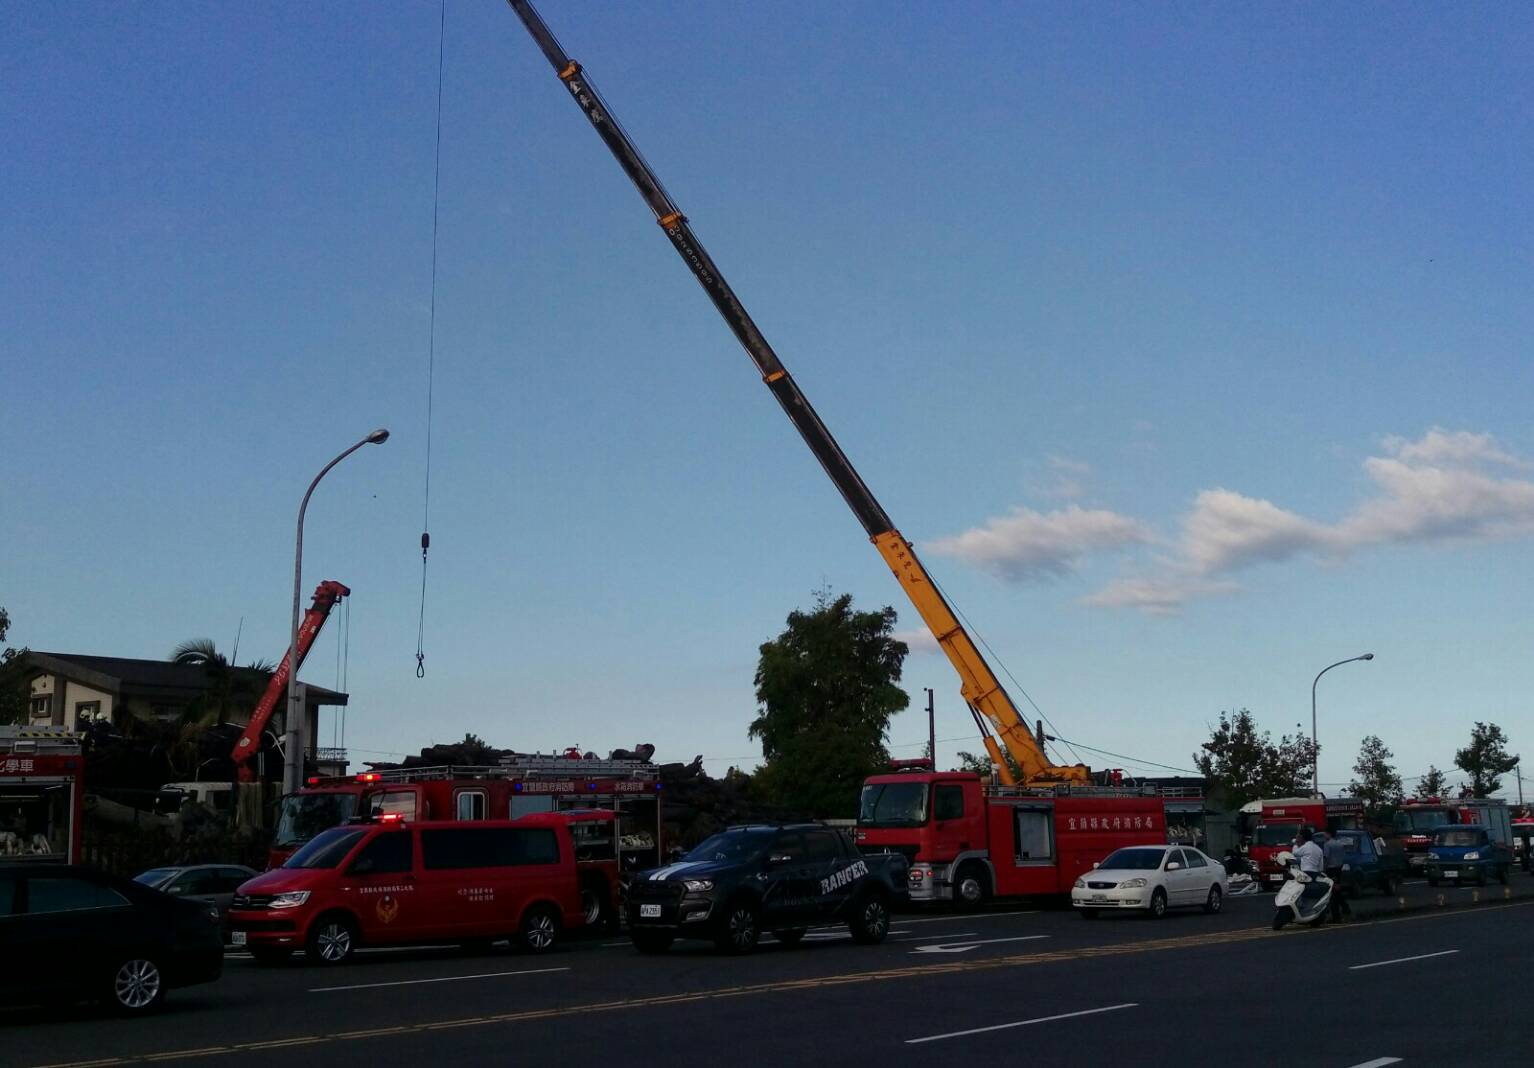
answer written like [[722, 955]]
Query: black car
[[76, 933], [783, 879]]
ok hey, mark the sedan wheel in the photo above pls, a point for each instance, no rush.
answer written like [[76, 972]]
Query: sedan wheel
[[1212, 904], [1158, 904], [138, 986]]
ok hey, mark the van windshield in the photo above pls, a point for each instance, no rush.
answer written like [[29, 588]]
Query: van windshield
[[893, 804], [327, 849]]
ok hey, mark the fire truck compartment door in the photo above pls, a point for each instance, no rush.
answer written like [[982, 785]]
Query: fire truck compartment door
[[1033, 834]]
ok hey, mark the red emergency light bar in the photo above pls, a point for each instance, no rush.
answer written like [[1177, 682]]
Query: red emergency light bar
[[367, 776]]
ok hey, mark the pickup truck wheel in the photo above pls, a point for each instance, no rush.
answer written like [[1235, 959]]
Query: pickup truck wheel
[[651, 941], [871, 922], [790, 938], [971, 888], [738, 930], [1213, 902]]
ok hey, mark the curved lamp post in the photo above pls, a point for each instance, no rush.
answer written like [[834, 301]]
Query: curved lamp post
[[1315, 784], [293, 759]]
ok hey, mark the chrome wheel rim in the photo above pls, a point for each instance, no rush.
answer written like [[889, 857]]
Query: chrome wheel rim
[[875, 918], [1214, 899], [969, 889], [335, 941], [742, 928], [1158, 905], [137, 984], [540, 930]]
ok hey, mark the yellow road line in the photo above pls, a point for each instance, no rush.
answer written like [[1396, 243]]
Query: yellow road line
[[911, 971]]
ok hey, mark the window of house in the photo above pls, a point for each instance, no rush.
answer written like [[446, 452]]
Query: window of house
[[42, 707], [87, 710], [1033, 832]]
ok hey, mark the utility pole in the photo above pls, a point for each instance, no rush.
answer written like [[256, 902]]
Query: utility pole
[[932, 733]]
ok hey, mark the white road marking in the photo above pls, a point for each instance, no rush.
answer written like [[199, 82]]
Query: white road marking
[[966, 946], [1021, 1023], [1403, 960], [444, 979], [1378, 1062]]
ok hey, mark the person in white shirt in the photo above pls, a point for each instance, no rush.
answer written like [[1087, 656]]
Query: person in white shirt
[[1311, 859]]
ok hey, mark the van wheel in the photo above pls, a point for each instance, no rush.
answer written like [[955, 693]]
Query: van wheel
[[332, 940], [594, 906], [1213, 902], [737, 932], [1158, 904], [137, 986], [971, 888], [871, 922], [651, 941], [540, 929]]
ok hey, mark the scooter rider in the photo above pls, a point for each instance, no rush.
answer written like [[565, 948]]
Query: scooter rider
[[1311, 859]]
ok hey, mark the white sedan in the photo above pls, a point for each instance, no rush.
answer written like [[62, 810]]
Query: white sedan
[[1153, 879]]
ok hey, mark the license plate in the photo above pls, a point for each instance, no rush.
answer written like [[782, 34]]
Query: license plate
[[1451, 875], [1275, 878], [649, 912], [1100, 897], [237, 938]]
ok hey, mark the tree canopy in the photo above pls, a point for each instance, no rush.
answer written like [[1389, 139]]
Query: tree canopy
[[1432, 784], [1243, 765], [13, 688], [826, 688], [1377, 783], [1486, 759]]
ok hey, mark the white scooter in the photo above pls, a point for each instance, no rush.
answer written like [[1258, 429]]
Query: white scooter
[[1303, 899]]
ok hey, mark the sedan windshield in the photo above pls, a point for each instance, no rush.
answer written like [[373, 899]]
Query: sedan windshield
[[1457, 838], [732, 846], [893, 804], [328, 849], [1138, 859]]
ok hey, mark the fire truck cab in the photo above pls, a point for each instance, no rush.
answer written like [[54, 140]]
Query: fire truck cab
[[1281, 819], [967, 841], [42, 787]]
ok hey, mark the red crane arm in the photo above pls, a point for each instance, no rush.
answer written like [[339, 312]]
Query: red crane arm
[[326, 594]]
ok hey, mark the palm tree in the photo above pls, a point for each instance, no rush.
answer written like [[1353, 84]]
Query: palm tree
[[229, 688]]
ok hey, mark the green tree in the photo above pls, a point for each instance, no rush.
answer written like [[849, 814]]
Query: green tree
[[1432, 784], [13, 684], [980, 764], [826, 689], [1243, 765], [1377, 784], [230, 689], [1485, 759]]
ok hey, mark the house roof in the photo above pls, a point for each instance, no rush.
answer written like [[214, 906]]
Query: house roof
[[162, 678]]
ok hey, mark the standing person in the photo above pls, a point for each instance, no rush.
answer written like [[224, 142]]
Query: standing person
[[1335, 855]]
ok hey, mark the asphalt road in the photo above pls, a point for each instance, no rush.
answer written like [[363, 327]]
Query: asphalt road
[[1431, 988]]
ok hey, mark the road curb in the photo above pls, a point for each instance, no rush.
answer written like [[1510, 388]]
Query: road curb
[[1457, 899]]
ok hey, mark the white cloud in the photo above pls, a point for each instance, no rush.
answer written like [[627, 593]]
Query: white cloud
[[1156, 596], [1445, 486], [1033, 545], [1065, 479], [920, 640]]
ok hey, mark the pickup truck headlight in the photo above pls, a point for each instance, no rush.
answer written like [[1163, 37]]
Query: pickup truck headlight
[[291, 900], [698, 886], [1081, 882], [1132, 884], [1472, 855]]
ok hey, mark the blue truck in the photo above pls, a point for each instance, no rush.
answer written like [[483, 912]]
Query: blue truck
[[1469, 853], [1368, 868]]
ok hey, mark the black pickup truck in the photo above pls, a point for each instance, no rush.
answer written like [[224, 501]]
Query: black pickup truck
[[778, 878]]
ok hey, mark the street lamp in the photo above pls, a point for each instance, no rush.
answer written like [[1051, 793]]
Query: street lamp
[[293, 758], [1315, 784]]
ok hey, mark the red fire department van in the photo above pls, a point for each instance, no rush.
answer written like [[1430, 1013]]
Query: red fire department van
[[966, 841], [42, 788], [1279, 823], [390, 882]]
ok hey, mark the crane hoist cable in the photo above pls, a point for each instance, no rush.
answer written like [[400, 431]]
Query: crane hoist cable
[[431, 348]]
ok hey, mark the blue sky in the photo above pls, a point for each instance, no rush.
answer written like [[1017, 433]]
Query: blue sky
[[1190, 345]]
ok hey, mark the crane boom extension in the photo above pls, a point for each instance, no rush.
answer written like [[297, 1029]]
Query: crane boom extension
[[981, 690], [326, 594]]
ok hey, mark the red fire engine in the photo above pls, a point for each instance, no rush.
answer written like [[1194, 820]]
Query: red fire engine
[[42, 789], [967, 841], [1280, 819]]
